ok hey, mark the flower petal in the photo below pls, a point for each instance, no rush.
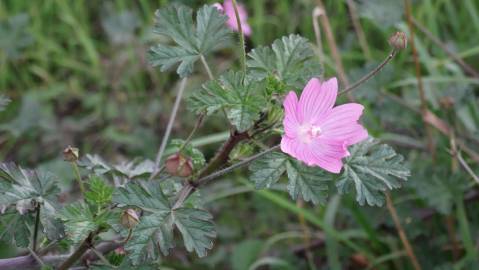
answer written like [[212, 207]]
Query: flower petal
[[290, 121], [341, 124], [326, 153], [317, 99]]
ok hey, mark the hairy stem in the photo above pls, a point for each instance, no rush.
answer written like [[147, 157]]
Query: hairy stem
[[78, 177], [164, 141], [35, 229], [402, 233], [241, 37], [371, 74], [207, 67], [84, 246]]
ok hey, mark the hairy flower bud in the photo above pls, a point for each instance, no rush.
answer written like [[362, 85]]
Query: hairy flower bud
[[129, 218], [398, 40], [179, 165], [71, 154]]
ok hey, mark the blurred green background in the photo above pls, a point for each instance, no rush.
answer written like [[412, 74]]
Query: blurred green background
[[77, 74]]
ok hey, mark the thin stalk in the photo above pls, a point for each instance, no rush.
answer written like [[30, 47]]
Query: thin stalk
[[422, 95], [35, 229], [205, 180], [241, 37], [164, 141], [102, 258], [467, 68], [306, 235], [207, 67], [191, 186], [317, 12], [402, 233], [36, 257], [78, 177], [358, 29], [370, 74], [333, 46], [465, 230], [467, 168]]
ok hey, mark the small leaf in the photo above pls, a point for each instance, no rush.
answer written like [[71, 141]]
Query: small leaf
[[155, 229], [176, 22], [22, 187], [196, 156], [307, 182], [79, 221], [267, 170], [197, 229], [99, 193], [242, 99], [291, 59], [372, 169]]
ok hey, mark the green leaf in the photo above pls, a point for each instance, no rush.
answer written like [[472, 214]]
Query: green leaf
[[155, 229], [4, 101], [242, 99], [309, 183], [79, 221], [291, 59], [148, 196], [15, 228], [99, 193], [22, 188], [192, 42], [152, 231], [197, 228], [372, 169], [267, 170], [306, 182]]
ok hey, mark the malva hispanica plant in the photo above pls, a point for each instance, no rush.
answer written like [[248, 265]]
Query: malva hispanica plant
[[147, 207]]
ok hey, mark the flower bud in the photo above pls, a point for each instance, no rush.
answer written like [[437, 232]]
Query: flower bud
[[71, 154], [179, 165], [129, 218], [398, 41]]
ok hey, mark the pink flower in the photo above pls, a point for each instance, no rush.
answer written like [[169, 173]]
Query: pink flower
[[229, 10], [315, 132]]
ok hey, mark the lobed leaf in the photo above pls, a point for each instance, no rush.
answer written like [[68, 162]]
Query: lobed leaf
[[242, 99], [308, 183], [197, 228], [372, 169], [291, 59], [99, 193], [192, 42]]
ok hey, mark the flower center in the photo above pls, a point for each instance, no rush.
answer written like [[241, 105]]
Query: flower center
[[308, 132]]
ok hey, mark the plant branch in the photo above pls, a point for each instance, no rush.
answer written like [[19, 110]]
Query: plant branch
[[164, 141], [241, 37], [422, 95], [78, 177], [84, 246], [207, 67], [370, 74], [470, 70], [358, 29], [401, 232], [35, 228]]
